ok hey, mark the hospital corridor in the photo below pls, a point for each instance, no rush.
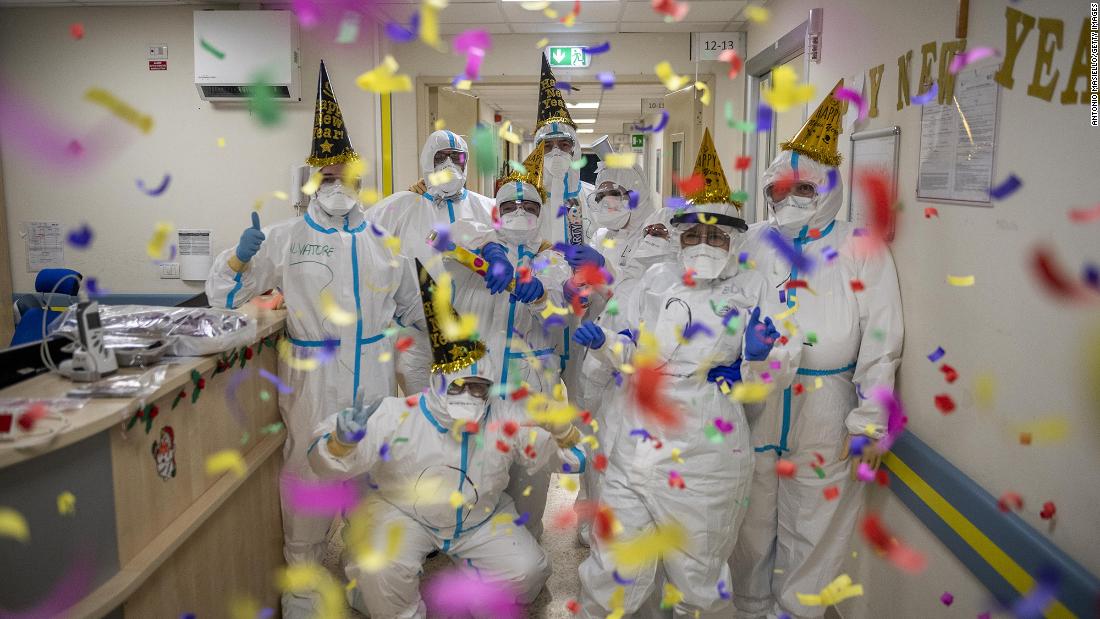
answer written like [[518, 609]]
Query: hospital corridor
[[549, 309]]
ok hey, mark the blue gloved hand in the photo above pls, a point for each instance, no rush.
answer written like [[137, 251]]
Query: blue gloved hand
[[730, 374], [351, 423], [589, 334], [500, 269], [531, 291], [251, 239], [759, 337], [580, 255]]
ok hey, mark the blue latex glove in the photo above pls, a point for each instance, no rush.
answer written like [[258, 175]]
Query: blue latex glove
[[531, 291], [500, 269], [351, 423], [589, 334], [759, 337], [730, 374], [251, 239], [580, 255]]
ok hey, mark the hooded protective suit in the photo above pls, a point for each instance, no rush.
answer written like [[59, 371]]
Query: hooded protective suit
[[638, 482], [343, 256], [520, 345], [412, 217], [563, 187], [794, 539], [429, 456]]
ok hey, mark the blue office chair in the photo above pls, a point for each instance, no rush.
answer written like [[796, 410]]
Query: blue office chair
[[30, 307]]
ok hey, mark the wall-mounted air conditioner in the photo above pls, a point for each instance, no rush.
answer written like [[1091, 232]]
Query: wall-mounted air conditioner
[[234, 48]]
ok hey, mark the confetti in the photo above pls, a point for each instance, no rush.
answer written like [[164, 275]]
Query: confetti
[[785, 468], [895, 416], [796, 259], [473, 44], [400, 34], [1010, 501], [833, 593], [785, 92], [1081, 215], [930, 212], [156, 245], [463, 593], [649, 395], [384, 78], [101, 97], [660, 126], [224, 461], [80, 238], [671, 596], [937, 354], [944, 404], [756, 13], [1053, 276], [620, 160], [750, 393], [742, 163], [543, 42], [155, 191], [676, 11], [319, 498], [507, 134], [949, 373], [876, 187], [886, 543], [736, 63], [1048, 510], [1006, 188], [66, 503], [764, 118], [675, 480], [349, 29], [262, 103], [332, 311], [648, 547], [607, 79], [962, 281], [599, 49], [13, 525], [946, 599], [213, 51], [704, 98], [970, 56], [671, 81], [310, 577], [925, 97], [847, 94]]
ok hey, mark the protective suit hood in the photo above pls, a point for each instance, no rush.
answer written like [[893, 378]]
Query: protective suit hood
[[436, 397], [437, 141], [791, 165], [633, 180]]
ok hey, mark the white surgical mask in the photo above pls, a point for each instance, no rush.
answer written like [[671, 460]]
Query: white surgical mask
[[335, 200], [465, 407], [519, 220], [611, 213], [706, 261], [793, 213], [454, 185], [556, 163]]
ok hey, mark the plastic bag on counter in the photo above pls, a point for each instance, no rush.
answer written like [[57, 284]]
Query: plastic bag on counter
[[193, 331], [122, 385]]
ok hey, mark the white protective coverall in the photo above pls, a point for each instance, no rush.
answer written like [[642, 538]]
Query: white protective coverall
[[519, 344], [411, 217], [429, 458], [303, 257], [636, 485], [793, 539]]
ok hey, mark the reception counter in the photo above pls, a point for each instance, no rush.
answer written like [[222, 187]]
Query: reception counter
[[124, 518]]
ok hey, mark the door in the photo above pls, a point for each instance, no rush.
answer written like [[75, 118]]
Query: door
[[681, 137], [459, 112]]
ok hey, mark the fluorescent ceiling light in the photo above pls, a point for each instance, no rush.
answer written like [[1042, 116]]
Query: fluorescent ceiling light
[[585, 121], [586, 130], [588, 105]]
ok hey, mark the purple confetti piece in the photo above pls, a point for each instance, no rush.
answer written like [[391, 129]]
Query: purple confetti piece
[[158, 190], [80, 238], [599, 49], [266, 613], [522, 520], [722, 592], [442, 240], [91, 284], [1092, 276], [640, 432], [76, 582], [858, 444], [895, 416], [676, 202], [730, 315], [654, 128], [831, 181], [552, 321], [796, 258], [619, 579], [562, 210], [743, 257], [376, 230], [782, 296], [566, 468], [398, 33], [618, 378], [463, 593], [937, 354], [384, 452], [925, 97], [274, 380], [307, 12], [631, 200], [859, 232], [1006, 188], [763, 118], [560, 85], [235, 408], [320, 498], [946, 599], [723, 426], [829, 253], [695, 328], [607, 79]]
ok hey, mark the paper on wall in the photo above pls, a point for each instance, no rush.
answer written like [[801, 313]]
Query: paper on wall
[[194, 254], [44, 245]]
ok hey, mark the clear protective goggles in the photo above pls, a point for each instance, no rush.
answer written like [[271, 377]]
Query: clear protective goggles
[[779, 190], [512, 205], [456, 156], [565, 145], [479, 388], [596, 198], [705, 233]]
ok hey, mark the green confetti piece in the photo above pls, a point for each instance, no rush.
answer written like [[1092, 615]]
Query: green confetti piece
[[392, 331], [244, 438], [820, 472], [215, 52], [272, 428], [261, 101], [811, 337], [878, 334], [745, 127], [265, 396], [485, 147], [612, 307], [712, 434], [517, 166], [400, 439], [580, 163], [740, 196]]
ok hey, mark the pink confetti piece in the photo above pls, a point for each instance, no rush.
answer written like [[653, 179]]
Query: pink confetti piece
[[969, 57], [319, 498], [474, 44], [847, 94], [462, 593]]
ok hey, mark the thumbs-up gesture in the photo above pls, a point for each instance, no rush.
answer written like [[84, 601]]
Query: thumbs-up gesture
[[251, 239]]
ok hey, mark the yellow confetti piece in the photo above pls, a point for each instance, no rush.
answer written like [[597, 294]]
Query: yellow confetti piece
[[505, 132], [66, 503], [144, 122], [502, 520], [527, 491], [221, 142], [648, 547], [785, 92], [280, 195], [157, 246], [313, 184], [385, 357], [369, 196], [243, 607], [310, 577], [756, 13], [456, 499], [14, 525], [669, 78], [225, 461], [568, 483], [750, 393], [616, 603], [429, 22], [672, 596], [551, 13], [961, 281], [384, 79], [439, 124], [554, 310], [785, 314], [984, 387], [440, 177], [359, 535], [833, 593], [705, 97], [332, 311], [676, 455], [590, 440], [620, 160], [543, 42], [462, 329], [353, 171], [1052, 429], [286, 354], [608, 243]]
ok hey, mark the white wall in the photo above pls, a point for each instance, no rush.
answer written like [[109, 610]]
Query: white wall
[[211, 187], [1005, 325]]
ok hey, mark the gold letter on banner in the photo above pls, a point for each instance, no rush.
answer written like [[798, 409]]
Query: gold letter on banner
[[903, 78], [876, 80], [1080, 68], [1014, 40], [948, 51], [1044, 57], [927, 58]]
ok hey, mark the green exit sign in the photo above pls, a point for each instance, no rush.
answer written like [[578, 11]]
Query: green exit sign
[[568, 56], [637, 140]]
